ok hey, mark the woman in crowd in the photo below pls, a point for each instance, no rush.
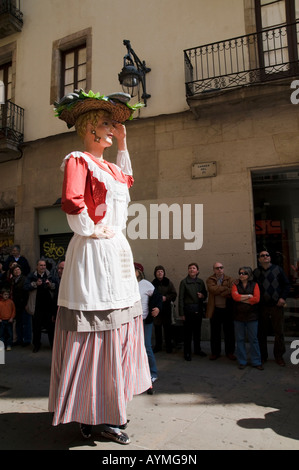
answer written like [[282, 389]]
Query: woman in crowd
[[164, 319], [246, 295]]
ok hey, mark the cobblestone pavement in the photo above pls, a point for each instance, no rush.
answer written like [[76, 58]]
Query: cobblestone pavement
[[197, 405]]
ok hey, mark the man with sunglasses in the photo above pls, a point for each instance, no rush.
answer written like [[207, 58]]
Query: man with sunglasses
[[220, 312], [274, 287]]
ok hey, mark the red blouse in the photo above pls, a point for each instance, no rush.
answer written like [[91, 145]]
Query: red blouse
[[81, 188]]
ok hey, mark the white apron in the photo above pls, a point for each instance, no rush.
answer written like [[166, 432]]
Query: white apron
[[99, 273]]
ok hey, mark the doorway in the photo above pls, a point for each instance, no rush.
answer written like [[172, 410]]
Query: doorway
[[276, 213]]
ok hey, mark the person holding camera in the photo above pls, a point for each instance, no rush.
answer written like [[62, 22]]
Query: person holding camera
[[41, 287]]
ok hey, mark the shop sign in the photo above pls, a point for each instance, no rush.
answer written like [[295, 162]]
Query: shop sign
[[267, 227]]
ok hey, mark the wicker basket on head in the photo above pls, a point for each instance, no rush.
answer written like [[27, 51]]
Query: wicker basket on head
[[119, 111], [73, 105]]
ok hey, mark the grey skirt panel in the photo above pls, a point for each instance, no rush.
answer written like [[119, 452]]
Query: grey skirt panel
[[97, 320]]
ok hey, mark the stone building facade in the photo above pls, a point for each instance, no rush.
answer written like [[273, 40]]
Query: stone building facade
[[216, 172]]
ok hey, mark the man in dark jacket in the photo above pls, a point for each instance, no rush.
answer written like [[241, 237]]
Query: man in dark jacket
[[40, 284], [192, 294], [166, 288], [274, 287]]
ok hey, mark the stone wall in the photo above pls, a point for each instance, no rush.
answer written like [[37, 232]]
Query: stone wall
[[163, 150]]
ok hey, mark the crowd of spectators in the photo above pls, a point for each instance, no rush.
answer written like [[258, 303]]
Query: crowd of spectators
[[239, 306]]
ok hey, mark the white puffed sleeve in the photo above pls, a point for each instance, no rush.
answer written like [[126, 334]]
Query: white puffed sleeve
[[124, 162], [81, 223]]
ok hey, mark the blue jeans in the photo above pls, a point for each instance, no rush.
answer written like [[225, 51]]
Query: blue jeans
[[148, 328], [250, 327]]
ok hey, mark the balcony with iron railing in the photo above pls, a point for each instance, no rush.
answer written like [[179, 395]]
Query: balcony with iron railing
[[11, 17], [244, 61], [11, 130]]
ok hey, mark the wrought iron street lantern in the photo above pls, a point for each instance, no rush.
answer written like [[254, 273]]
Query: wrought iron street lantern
[[133, 74]]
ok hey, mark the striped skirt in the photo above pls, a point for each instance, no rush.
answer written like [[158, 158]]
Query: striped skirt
[[95, 374]]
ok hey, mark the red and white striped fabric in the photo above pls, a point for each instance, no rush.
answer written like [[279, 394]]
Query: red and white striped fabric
[[95, 374]]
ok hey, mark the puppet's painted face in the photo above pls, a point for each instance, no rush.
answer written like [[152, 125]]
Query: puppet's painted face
[[105, 129]]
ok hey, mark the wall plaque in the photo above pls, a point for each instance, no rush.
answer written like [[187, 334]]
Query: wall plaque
[[204, 170]]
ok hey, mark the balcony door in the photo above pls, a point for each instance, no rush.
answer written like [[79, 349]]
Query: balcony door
[[6, 78], [278, 37]]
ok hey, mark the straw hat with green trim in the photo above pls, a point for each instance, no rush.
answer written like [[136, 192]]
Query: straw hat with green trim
[[72, 105]]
